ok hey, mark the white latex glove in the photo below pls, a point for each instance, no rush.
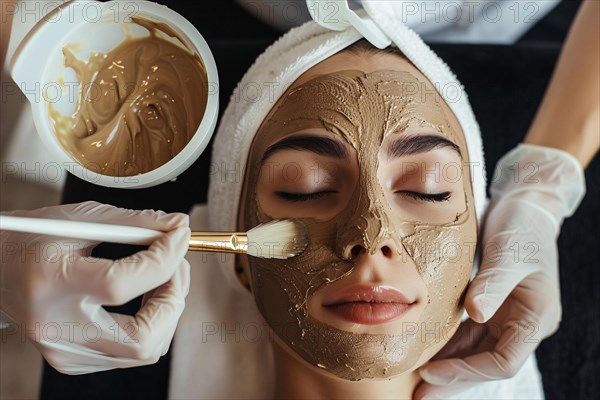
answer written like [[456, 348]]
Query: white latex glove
[[516, 290], [54, 292]]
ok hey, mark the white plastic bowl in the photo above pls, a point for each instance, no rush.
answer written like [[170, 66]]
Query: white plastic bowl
[[38, 66]]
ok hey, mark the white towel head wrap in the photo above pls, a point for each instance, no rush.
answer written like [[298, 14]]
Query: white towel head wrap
[[279, 66]]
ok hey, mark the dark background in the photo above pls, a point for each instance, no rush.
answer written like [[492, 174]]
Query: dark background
[[505, 86]]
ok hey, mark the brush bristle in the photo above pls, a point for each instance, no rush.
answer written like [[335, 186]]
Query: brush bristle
[[281, 238]]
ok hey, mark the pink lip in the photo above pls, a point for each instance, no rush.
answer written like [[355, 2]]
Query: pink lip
[[368, 304]]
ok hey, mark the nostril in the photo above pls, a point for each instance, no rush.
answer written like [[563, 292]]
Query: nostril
[[356, 250], [387, 252]]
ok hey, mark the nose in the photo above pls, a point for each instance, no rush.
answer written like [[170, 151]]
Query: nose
[[386, 248]]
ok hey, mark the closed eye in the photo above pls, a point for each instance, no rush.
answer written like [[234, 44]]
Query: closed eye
[[433, 197], [295, 197]]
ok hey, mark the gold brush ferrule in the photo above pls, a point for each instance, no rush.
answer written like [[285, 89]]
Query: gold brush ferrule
[[219, 242]]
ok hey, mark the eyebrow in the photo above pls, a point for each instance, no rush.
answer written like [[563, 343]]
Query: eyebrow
[[317, 144], [403, 146], [416, 144]]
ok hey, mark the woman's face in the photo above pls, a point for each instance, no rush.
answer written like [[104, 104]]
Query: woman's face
[[368, 154]]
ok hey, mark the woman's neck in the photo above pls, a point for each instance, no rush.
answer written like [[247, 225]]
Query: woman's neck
[[294, 379]]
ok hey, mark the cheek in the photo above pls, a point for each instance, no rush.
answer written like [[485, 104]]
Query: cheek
[[444, 258], [282, 287]]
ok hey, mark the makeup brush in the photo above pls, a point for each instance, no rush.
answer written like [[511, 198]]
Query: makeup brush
[[281, 239]]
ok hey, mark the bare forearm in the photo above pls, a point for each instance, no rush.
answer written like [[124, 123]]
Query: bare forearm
[[569, 116]]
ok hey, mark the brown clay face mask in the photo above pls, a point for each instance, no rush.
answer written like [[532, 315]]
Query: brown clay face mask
[[362, 108], [139, 105]]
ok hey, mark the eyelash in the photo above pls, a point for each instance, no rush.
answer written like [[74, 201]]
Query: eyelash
[[295, 197], [433, 197]]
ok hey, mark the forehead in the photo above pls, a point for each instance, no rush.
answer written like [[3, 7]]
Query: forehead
[[366, 63], [428, 97]]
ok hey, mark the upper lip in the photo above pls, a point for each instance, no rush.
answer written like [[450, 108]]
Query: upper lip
[[367, 294]]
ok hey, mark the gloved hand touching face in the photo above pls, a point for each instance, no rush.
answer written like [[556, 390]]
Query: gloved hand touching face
[[516, 292]]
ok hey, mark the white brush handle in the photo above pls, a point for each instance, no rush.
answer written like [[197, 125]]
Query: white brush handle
[[80, 230]]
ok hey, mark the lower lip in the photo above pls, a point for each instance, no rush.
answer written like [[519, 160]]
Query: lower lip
[[368, 313]]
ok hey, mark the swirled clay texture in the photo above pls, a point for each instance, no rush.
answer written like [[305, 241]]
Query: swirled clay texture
[[138, 105], [362, 108]]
